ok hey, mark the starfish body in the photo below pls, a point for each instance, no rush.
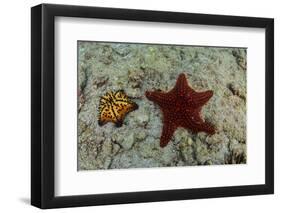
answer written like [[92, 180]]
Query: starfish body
[[114, 107], [181, 107]]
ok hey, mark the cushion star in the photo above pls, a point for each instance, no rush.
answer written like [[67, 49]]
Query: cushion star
[[114, 106], [181, 108]]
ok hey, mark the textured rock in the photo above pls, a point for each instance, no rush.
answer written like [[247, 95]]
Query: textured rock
[[141, 135], [138, 68], [128, 141], [186, 151], [134, 92], [142, 117], [135, 78], [100, 81]]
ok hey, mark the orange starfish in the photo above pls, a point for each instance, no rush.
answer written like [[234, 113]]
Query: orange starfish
[[181, 108], [114, 107]]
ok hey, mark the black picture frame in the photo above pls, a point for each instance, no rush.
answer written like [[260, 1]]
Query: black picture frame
[[43, 105]]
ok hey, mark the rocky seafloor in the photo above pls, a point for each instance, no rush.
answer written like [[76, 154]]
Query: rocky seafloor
[[136, 68]]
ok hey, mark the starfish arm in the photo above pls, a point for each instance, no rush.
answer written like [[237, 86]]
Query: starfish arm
[[196, 124], [167, 132], [162, 99], [181, 88], [200, 98], [208, 128]]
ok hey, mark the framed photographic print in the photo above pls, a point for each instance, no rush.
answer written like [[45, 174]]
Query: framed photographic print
[[140, 106]]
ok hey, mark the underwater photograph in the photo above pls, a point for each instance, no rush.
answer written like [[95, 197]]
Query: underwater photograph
[[160, 105]]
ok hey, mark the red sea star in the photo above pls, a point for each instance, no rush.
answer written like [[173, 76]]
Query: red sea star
[[181, 108]]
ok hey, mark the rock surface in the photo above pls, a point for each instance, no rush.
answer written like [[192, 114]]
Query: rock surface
[[138, 68]]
